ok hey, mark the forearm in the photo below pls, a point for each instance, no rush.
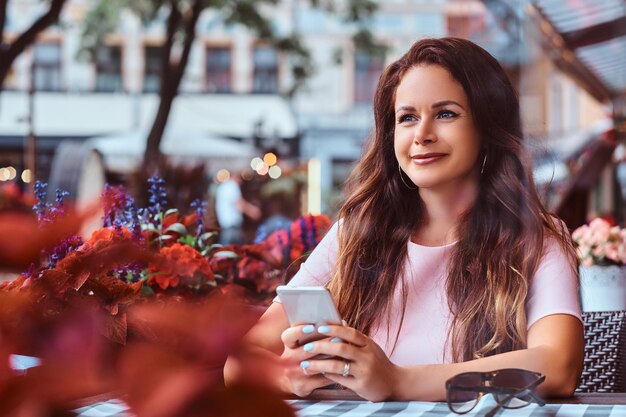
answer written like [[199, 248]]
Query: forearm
[[255, 365], [427, 382], [262, 345]]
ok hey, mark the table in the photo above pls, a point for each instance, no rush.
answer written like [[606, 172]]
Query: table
[[344, 403], [571, 407], [596, 398]]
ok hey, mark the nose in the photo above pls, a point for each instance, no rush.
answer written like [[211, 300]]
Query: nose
[[424, 133]]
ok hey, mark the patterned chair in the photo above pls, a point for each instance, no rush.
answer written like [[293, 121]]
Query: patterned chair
[[605, 352]]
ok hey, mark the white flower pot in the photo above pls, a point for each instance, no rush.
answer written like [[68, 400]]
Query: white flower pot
[[603, 288]]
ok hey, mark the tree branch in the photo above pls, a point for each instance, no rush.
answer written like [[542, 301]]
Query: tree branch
[[30, 35], [3, 18], [172, 23], [190, 34]]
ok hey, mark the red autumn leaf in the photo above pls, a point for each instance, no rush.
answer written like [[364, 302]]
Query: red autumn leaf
[[102, 257], [110, 292], [169, 220], [71, 363], [173, 367], [115, 328], [190, 220], [22, 238]]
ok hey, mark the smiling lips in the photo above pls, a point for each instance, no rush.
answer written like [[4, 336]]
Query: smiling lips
[[426, 158]]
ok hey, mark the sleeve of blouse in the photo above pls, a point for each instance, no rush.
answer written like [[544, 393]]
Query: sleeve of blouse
[[317, 268], [554, 288]]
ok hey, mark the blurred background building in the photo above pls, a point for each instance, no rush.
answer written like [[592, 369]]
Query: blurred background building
[[566, 58]]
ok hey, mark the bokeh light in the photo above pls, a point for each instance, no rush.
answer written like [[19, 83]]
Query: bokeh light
[[275, 172], [270, 159], [256, 163], [27, 176], [222, 175], [263, 170]]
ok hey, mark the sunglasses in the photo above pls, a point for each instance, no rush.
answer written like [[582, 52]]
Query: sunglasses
[[511, 388]]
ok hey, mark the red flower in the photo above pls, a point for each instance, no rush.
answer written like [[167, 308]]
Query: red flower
[[109, 235], [179, 262]]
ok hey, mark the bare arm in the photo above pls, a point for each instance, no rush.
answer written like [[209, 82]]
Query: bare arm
[[249, 209], [555, 349]]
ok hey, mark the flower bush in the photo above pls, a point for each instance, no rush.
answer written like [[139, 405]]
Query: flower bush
[[148, 306], [600, 243], [155, 252]]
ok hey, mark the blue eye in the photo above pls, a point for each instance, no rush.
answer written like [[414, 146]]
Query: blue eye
[[447, 114], [407, 118]]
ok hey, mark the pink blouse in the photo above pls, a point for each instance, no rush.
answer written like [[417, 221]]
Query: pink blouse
[[423, 338]]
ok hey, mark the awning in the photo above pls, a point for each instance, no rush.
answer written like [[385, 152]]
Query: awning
[[70, 114], [123, 152], [589, 38]]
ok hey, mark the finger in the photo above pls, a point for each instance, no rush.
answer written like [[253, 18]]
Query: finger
[[294, 336], [349, 381], [333, 347], [348, 334], [331, 368], [304, 385]]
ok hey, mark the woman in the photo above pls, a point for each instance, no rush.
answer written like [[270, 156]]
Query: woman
[[444, 260]]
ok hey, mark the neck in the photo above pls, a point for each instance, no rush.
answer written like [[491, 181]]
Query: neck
[[444, 207]]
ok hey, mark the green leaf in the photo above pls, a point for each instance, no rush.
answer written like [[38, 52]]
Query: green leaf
[[171, 211], [225, 254], [164, 237], [207, 235], [177, 228], [149, 227], [187, 240]]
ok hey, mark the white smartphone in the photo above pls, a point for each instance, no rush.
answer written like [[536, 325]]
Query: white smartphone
[[309, 305]]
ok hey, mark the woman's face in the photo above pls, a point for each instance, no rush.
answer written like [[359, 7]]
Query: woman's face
[[435, 140]]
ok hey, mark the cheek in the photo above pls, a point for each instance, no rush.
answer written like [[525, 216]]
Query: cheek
[[400, 144]]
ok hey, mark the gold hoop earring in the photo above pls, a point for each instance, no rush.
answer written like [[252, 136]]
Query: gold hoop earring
[[404, 182], [482, 169]]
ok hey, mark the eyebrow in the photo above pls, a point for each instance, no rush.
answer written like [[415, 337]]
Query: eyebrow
[[434, 105]]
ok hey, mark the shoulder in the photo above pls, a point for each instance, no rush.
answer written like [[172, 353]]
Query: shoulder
[[554, 286]]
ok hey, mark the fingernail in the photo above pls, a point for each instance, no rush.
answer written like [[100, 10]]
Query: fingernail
[[336, 340], [305, 364], [323, 329], [308, 347], [308, 329]]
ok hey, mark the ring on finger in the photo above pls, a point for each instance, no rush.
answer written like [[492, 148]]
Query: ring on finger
[[346, 369]]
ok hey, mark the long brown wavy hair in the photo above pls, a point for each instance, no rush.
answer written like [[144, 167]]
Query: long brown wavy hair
[[500, 239]]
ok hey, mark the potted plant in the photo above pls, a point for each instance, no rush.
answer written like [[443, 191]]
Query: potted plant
[[601, 248]]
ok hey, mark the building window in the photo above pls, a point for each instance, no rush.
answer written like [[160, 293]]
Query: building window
[[218, 76], [265, 70], [109, 69], [367, 71], [47, 66], [152, 69]]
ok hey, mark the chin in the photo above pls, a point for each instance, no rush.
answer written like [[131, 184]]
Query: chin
[[425, 182]]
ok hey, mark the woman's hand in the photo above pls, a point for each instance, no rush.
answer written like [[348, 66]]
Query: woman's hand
[[358, 364], [298, 380]]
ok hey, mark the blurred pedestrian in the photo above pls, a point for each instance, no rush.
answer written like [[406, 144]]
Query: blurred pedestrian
[[230, 208]]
